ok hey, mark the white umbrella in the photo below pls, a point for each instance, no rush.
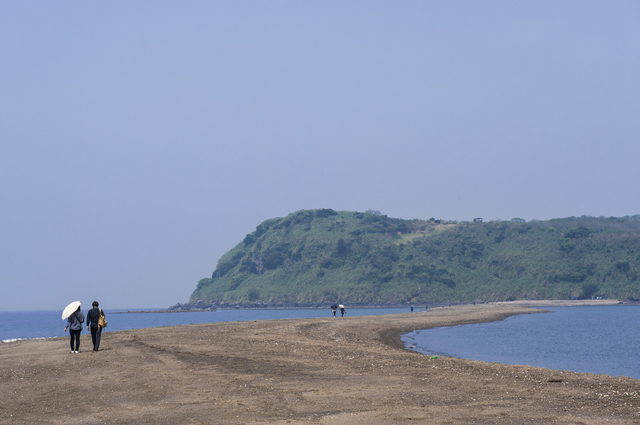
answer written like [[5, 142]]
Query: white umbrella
[[70, 309], [341, 306]]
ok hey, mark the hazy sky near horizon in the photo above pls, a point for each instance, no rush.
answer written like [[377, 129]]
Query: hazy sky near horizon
[[142, 140]]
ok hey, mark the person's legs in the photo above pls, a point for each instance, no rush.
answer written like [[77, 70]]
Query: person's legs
[[98, 334], [75, 335], [71, 339], [94, 333]]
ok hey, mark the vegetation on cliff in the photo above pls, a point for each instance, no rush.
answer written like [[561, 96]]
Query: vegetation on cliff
[[325, 256]]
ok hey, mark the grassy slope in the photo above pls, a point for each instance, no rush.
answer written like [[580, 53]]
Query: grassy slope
[[301, 259]]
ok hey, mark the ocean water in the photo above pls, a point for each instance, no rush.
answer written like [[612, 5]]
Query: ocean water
[[48, 324], [591, 339]]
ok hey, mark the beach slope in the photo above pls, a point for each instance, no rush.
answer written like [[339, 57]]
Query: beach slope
[[351, 370]]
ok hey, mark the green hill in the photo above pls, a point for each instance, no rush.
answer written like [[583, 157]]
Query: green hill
[[326, 256]]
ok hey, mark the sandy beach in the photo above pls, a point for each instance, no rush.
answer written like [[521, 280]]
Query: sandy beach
[[351, 370]]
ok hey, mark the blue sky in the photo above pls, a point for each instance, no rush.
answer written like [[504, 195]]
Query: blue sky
[[140, 141]]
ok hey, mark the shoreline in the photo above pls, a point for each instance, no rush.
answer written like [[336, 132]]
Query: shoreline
[[327, 371], [527, 303], [520, 303]]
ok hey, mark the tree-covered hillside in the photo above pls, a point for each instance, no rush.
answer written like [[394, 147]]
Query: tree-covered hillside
[[325, 256]]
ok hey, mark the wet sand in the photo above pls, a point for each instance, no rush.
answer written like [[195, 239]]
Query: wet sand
[[351, 370]]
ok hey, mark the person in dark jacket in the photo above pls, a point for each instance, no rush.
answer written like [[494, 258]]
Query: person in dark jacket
[[92, 322], [74, 324]]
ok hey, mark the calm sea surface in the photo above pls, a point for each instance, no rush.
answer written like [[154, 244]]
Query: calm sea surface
[[48, 324], [593, 339]]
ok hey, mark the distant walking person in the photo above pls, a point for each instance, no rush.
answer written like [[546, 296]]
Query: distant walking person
[[334, 308], [342, 310], [74, 324], [93, 318]]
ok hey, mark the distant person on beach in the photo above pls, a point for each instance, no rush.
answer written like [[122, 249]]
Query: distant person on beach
[[334, 308], [412, 309], [74, 324], [342, 310], [92, 321]]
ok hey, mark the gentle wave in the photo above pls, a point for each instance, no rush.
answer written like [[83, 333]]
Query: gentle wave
[[20, 339]]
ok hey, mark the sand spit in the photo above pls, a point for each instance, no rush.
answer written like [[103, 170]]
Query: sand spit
[[560, 303], [350, 370]]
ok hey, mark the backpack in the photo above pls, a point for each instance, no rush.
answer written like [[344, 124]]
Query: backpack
[[102, 321]]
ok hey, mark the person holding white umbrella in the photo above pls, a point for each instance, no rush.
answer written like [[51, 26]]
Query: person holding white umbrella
[[75, 318]]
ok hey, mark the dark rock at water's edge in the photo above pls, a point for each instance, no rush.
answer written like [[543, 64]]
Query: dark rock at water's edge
[[198, 305]]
